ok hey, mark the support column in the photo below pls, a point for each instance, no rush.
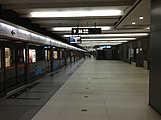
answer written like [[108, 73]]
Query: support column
[[155, 57]]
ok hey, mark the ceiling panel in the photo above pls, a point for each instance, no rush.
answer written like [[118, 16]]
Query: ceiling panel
[[63, 3], [143, 9], [131, 14]]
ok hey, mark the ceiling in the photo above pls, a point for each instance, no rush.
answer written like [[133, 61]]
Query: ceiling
[[131, 11]]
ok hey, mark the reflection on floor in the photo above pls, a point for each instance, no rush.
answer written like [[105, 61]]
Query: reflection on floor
[[24, 104], [101, 90]]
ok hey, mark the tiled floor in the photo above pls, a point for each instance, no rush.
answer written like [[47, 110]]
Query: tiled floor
[[101, 90], [24, 106]]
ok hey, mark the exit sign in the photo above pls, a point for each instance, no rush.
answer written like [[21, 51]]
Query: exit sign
[[78, 31]]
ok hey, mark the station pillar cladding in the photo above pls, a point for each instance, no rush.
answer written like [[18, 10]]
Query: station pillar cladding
[[155, 57]]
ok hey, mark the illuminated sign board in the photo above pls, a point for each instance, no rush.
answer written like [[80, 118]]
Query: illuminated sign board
[[106, 47], [78, 31], [76, 40]]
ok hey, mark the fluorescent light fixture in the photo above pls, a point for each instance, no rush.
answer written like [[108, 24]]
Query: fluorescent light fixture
[[117, 41], [62, 28], [70, 28], [85, 42], [141, 18], [77, 13], [148, 28], [112, 35], [83, 45], [133, 23], [107, 39]]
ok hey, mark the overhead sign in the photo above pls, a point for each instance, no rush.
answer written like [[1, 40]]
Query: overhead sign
[[76, 39], [107, 46], [78, 31]]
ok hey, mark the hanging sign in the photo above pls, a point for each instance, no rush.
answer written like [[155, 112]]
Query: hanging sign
[[78, 31]]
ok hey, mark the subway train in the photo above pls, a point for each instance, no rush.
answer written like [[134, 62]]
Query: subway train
[[26, 56]]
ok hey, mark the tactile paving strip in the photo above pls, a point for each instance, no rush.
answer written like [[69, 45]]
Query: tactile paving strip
[[15, 95]]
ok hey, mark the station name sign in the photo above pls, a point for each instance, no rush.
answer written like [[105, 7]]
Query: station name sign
[[78, 31]]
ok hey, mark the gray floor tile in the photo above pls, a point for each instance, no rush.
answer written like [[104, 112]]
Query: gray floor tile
[[116, 91]]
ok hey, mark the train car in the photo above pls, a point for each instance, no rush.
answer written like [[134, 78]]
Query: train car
[[26, 56]]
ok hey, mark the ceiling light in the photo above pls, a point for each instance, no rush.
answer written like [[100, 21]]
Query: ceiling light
[[141, 18], [112, 35], [70, 28], [90, 44], [148, 28], [103, 41], [133, 23], [77, 13], [107, 39]]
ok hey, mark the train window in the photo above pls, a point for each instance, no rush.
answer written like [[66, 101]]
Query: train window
[[46, 54], [61, 56], [24, 54], [20, 56], [7, 57], [55, 54], [32, 55]]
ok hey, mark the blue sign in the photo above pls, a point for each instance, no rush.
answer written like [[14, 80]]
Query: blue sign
[[105, 47]]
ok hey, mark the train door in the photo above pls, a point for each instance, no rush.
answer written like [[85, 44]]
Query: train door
[[10, 65], [2, 88], [14, 65], [47, 60], [20, 63]]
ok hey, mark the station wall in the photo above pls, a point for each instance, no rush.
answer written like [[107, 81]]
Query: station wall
[[155, 57]]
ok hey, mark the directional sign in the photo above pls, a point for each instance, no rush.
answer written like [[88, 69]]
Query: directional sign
[[12, 32], [78, 31]]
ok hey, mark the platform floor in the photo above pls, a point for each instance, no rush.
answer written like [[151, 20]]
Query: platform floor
[[101, 90], [25, 102]]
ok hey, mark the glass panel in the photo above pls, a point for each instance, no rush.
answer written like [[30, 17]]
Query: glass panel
[[61, 55], [24, 54], [46, 54], [20, 57], [55, 54], [10, 67], [7, 57], [32, 55]]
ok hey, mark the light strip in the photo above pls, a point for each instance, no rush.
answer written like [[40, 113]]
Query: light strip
[[112, 35], [38, 36], [148, 28], [77, 13], [106, 39], [99, 44], [70, 28], [103, 41]]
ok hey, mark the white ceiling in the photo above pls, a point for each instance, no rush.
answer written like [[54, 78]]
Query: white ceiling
[[120, 24]]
